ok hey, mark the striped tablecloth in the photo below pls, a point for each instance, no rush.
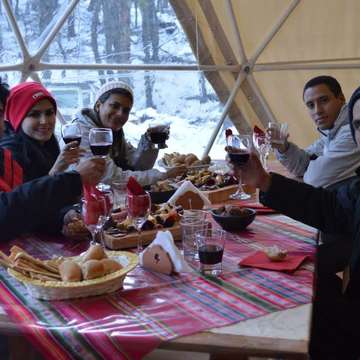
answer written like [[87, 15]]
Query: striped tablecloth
[[153, 308]]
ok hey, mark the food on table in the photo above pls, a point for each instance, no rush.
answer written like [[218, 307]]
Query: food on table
[[95, 252], [162, 185], [161, 216], [60, 269], [231, 210], [176, 159], [110, 266], [92, 269], [70, 271], [274, 253], [208, 180]]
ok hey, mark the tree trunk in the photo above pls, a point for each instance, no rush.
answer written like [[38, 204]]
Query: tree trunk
[[71, 27], [94, 7], [203, 93]]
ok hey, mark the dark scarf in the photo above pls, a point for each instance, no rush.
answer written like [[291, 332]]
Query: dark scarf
[[35, 158], [118, 148]]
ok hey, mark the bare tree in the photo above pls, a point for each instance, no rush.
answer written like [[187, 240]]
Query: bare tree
[[94, 7], [71, 26]]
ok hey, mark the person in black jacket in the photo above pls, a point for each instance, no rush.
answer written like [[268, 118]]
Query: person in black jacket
[[335, 332], [30, 116], [38, 205]]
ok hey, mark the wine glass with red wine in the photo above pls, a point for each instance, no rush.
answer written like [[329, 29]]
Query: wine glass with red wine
[[71, 132], [159, 134], [100, 140], [241, 145]]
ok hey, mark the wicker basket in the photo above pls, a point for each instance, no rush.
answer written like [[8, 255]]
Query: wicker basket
[[60, 290]]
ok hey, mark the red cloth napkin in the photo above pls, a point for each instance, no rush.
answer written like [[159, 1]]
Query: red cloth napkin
[[94, 204], [260, 208], [261, 261], [134, 187]]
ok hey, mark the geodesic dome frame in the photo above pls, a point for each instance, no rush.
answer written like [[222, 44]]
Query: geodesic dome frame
[[256, 54]]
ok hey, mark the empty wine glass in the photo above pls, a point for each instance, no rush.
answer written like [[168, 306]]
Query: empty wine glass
[[241, 145], [100, 140], [71, 132], [263, 147], [139, 207]]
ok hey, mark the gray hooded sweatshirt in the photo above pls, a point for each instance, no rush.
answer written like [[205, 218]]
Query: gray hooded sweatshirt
[[336, 155]]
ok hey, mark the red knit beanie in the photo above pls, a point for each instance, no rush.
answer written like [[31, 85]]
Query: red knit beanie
[[21, 99]]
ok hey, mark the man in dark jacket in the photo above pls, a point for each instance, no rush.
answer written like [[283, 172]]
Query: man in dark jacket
[[38, 205], [335, 333]]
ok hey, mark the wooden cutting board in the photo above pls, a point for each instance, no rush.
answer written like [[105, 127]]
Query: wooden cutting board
[[116, 243]]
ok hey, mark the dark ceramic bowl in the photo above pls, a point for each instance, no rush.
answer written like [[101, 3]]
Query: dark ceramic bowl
[[234, 222], [159, 197]]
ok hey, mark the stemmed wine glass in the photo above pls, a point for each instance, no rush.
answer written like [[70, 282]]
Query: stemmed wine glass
[[139, 209], [159, 134], [241, 145], [71, 132], [263, 147], [100, 140]]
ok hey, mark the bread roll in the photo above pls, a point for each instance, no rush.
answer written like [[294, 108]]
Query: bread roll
[[110, 266], [92, 269], [95, 252], [70, 271]]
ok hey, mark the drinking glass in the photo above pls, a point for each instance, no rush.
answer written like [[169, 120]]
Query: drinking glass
[[139, 207], [120, 193], [95, 214], [159, 134], [71, 132], [242, 146], [100, 140], [278, 132], [263, 147], [210, 244]]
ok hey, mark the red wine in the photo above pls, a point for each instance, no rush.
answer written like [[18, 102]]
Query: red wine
[[210, 254], [239, 158], [69, 139], [100, 149], [158, 137]]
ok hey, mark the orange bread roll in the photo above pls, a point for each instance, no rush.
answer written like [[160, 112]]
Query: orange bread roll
[[95, 252], [70, 271], [92, 269], [110, 266]]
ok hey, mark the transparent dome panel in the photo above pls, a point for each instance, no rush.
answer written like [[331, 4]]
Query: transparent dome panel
[[184, 100], [121, 32], [10, 52]]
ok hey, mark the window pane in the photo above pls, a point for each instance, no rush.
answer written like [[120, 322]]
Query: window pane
[[121, 31], [184, 100]]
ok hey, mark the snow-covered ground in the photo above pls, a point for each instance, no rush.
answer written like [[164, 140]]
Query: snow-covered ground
[[176, 95]]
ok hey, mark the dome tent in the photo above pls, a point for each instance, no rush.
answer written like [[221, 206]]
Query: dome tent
[[257, 54]]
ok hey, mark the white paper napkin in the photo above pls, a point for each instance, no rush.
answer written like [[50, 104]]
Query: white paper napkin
[[166, 241], [185, 187]]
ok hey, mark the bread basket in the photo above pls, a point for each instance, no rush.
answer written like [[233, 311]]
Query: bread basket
[[60, 290]]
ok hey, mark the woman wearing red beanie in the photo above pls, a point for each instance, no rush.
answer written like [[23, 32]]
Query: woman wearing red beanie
[[30, 116]]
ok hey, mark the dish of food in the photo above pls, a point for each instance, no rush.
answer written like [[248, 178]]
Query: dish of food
[[233, 218], [60, 278], [191, 161]]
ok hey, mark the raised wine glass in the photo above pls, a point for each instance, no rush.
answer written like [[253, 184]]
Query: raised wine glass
[[139, 207], [71, 132], [242, 146], [263, 147], [159, 134], [100, 140]]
